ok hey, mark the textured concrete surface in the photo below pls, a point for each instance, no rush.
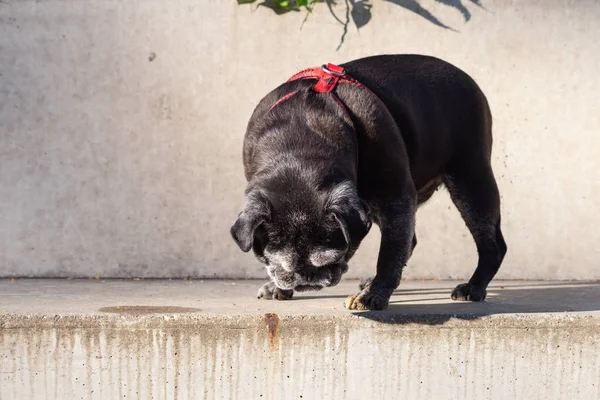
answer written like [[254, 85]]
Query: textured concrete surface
[[79, 297], [96, 339], [121, 126]]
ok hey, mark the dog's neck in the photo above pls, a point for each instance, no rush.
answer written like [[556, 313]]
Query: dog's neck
[[292, 173]]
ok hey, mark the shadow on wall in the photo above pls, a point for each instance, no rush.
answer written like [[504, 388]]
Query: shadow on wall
[[549, 297], [359, 11], [415, 7]]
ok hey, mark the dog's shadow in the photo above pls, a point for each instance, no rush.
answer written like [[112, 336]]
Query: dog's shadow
[[433, 306]]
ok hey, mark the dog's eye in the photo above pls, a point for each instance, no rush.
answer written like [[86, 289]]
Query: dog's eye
[[320, 256]]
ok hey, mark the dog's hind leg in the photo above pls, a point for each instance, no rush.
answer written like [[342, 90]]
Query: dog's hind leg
[[474, 191]]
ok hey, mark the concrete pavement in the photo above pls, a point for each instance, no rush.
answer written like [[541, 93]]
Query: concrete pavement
[[159, 339]]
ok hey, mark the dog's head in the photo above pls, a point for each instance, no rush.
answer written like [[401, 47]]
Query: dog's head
[[304, 236]]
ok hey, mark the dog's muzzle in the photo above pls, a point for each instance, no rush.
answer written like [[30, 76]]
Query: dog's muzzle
[[309, 278]]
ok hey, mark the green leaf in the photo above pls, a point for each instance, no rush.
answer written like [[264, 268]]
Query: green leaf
[[283, 6]]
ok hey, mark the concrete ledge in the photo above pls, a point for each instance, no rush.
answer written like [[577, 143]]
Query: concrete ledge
[[215, 340]]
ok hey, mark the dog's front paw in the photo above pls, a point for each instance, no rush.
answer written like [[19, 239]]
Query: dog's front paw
[[367, 300], [269, 291], [468, 292]]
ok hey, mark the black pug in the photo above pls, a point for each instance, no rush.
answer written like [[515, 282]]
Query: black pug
[[335, 148]]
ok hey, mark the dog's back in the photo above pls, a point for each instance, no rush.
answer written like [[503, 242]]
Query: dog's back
[[441, 113]]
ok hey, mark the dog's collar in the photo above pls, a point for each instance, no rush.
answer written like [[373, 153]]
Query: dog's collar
[[327, 76]]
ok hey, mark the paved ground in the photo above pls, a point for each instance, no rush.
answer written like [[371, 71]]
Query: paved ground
[[92, 297]]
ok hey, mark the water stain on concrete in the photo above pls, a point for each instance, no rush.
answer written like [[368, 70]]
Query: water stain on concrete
[[143, 310]]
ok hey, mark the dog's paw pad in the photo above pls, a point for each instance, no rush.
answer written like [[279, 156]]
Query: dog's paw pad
[[467, 292], [269, 292], [366, 300]]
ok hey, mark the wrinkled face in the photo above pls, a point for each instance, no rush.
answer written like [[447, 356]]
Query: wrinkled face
[[302, 251], [305, 239]]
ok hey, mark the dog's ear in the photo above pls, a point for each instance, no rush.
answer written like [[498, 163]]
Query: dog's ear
[[351, 213], [256, 211]]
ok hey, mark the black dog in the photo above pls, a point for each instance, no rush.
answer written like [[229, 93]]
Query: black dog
[[333, 149]]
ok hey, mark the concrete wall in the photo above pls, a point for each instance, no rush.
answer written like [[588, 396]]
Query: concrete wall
[[121, 126], [199, 357]]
